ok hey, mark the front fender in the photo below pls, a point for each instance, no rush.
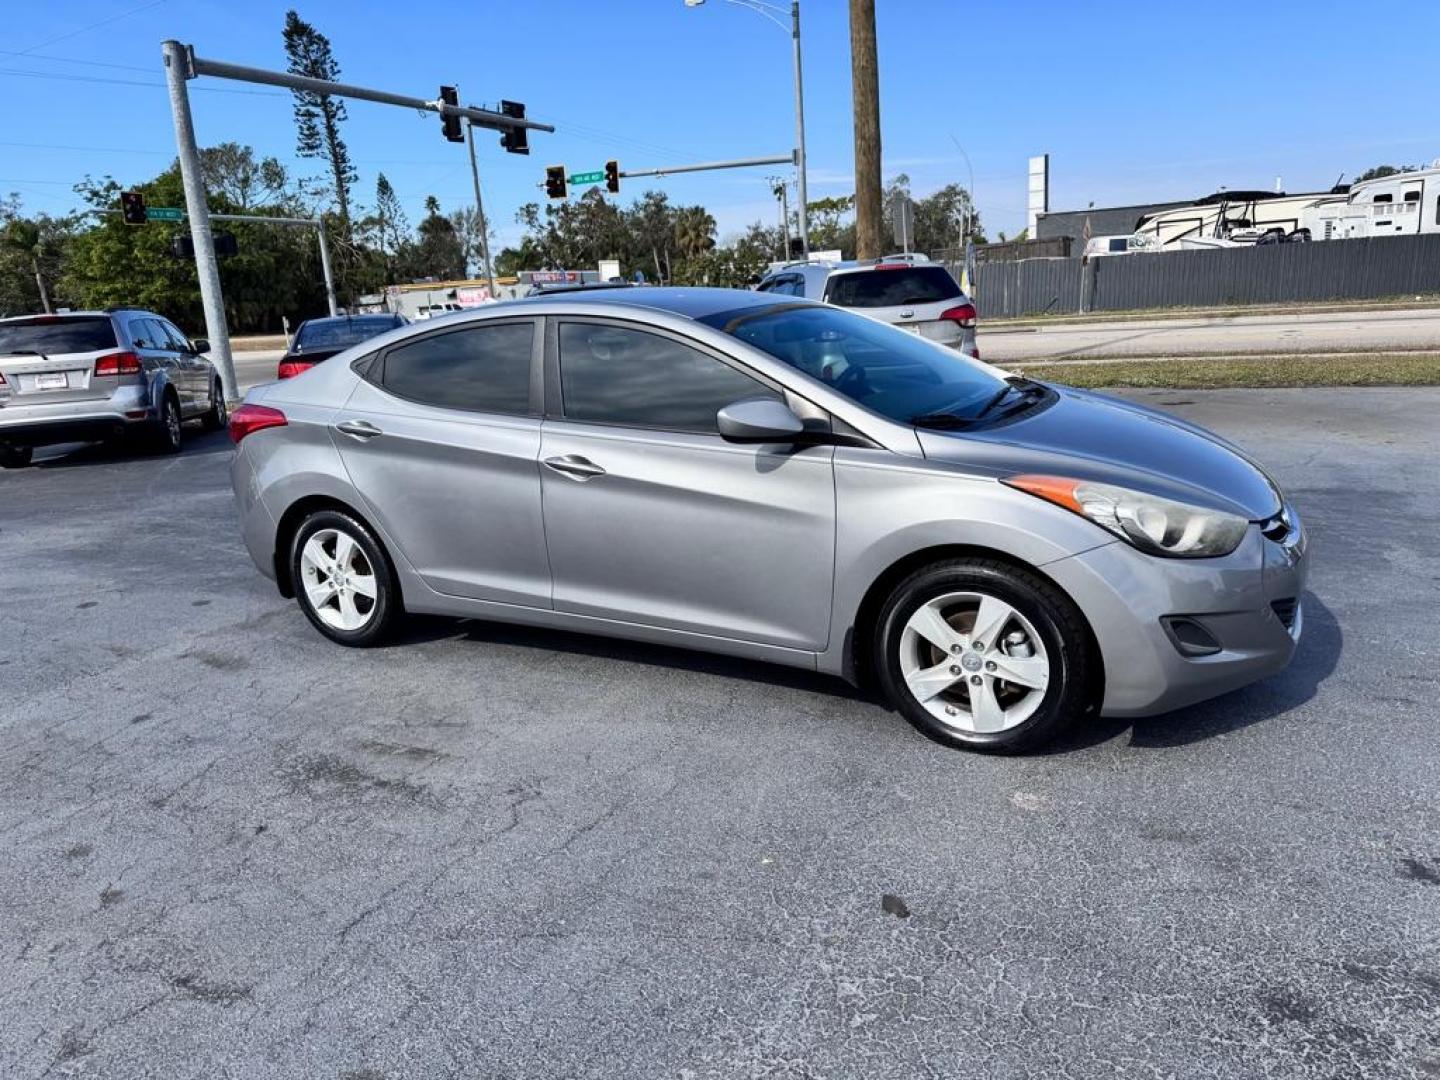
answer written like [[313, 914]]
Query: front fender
[[889, 510]]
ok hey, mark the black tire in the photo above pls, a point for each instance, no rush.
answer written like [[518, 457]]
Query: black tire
[[217, 416], [386, 610], [165, 438], [15, 457], [1053, 617]]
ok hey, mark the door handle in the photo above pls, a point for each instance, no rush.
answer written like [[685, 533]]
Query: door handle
[[574, 466], [360, 429]]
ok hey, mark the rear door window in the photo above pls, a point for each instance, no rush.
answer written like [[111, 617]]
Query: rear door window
[[478, 369], [885, 287], [57, 335]]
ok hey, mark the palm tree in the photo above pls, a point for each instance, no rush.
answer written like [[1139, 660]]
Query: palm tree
[[432, 205], [694, 231], [24, 237]]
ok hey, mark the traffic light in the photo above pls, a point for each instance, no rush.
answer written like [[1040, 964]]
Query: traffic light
[[515, 140], [612, 177], [451, 124], [555, 186], [225, 245], [132, 207]]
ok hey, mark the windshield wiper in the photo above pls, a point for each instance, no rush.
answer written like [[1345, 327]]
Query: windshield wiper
[[1028, 388], [941, 420]]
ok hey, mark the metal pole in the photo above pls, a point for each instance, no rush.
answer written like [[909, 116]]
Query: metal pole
[[325, 266], [480, 210], [804, 218], [785, 219], [737, 163], [207, 267], [483, 117]]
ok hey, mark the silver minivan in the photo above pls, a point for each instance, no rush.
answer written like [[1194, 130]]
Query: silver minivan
[[783, 480]]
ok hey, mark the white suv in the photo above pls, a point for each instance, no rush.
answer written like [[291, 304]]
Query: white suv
[[907, 291]]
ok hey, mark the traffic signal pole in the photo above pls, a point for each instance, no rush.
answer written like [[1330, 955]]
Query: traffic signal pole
[[181, 65], [480, 210], [207, 266]]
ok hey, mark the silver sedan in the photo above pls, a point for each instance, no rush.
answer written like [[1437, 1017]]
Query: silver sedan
[[777, 479]]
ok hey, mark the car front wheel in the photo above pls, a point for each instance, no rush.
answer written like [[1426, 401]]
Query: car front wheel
[[342, 579], [983, 655], [216, 418]]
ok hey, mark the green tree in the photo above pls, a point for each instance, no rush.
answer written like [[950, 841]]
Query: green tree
[[1377, 171], [231, 172], [438, 251], [694, 231], [32, 250], [318, 116]]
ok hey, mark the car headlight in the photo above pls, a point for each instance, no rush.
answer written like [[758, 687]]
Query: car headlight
[[1153, 524]]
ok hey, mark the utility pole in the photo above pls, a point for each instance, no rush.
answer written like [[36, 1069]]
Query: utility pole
[[207, 266], [865, 87], [801, 189], [480, 209], [778, 189]]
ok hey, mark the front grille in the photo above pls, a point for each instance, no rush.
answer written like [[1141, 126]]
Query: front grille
[[1285, 610]]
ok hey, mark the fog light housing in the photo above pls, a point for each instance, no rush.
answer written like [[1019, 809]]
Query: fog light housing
[[1189, 636]]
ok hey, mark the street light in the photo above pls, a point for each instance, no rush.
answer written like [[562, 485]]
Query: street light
[[774, 13]]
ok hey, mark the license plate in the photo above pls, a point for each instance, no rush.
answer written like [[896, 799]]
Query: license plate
[[51, 380]]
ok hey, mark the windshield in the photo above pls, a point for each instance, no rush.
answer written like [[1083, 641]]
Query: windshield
[[341, 333], [57, 335], [897, 374]]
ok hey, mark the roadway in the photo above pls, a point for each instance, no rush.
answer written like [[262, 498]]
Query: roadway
[[1310, 332], [234, 849]]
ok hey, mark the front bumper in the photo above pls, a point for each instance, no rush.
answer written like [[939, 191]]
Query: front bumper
[[1244, 601]]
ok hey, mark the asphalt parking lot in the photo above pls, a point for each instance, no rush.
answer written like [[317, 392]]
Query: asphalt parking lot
[[231, 849]]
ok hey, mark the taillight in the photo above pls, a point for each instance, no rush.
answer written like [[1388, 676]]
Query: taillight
[[120, 363], [248, 419], [964, 315], [290, 368]]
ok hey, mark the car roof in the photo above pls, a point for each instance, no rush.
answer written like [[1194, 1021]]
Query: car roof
[[690, 303], [386, 315], [74, 314]]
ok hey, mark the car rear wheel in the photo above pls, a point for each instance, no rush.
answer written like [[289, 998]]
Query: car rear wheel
[[343, 580], [217, 417], [15, 457], [983, 655], [166, 436]]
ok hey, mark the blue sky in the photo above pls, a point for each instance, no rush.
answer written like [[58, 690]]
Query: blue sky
[[1133, 101]]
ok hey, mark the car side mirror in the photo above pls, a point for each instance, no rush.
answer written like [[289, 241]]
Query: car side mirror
[[200, 345], [758, 420]]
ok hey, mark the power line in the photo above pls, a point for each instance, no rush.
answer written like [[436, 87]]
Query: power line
[[77, 60], [93, 26], [68, 77]]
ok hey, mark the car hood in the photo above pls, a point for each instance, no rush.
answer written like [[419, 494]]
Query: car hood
[[1096, 437]]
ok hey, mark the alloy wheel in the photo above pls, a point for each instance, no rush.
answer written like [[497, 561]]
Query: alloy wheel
[[338, 580], [974, 662]]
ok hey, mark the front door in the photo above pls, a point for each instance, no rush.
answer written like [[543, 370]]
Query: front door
[[441, 439], [652, 518]]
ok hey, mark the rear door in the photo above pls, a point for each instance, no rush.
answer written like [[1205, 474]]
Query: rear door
[[652, 518], [51, 359], [441, 438], [909, 295]]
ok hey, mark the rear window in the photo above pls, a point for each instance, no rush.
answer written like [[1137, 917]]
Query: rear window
[[342, 333], [892, 288], [63, 335]]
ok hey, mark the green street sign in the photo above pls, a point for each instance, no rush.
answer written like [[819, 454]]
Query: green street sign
[[587, 177], [163, 213]]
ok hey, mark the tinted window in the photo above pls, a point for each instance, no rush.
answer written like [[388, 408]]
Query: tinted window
[[341, 333], [178, 341], [56, 335], [1118, 245], [897, 374], [484, 368], [616, 376], [144, 334], [891, 288]]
